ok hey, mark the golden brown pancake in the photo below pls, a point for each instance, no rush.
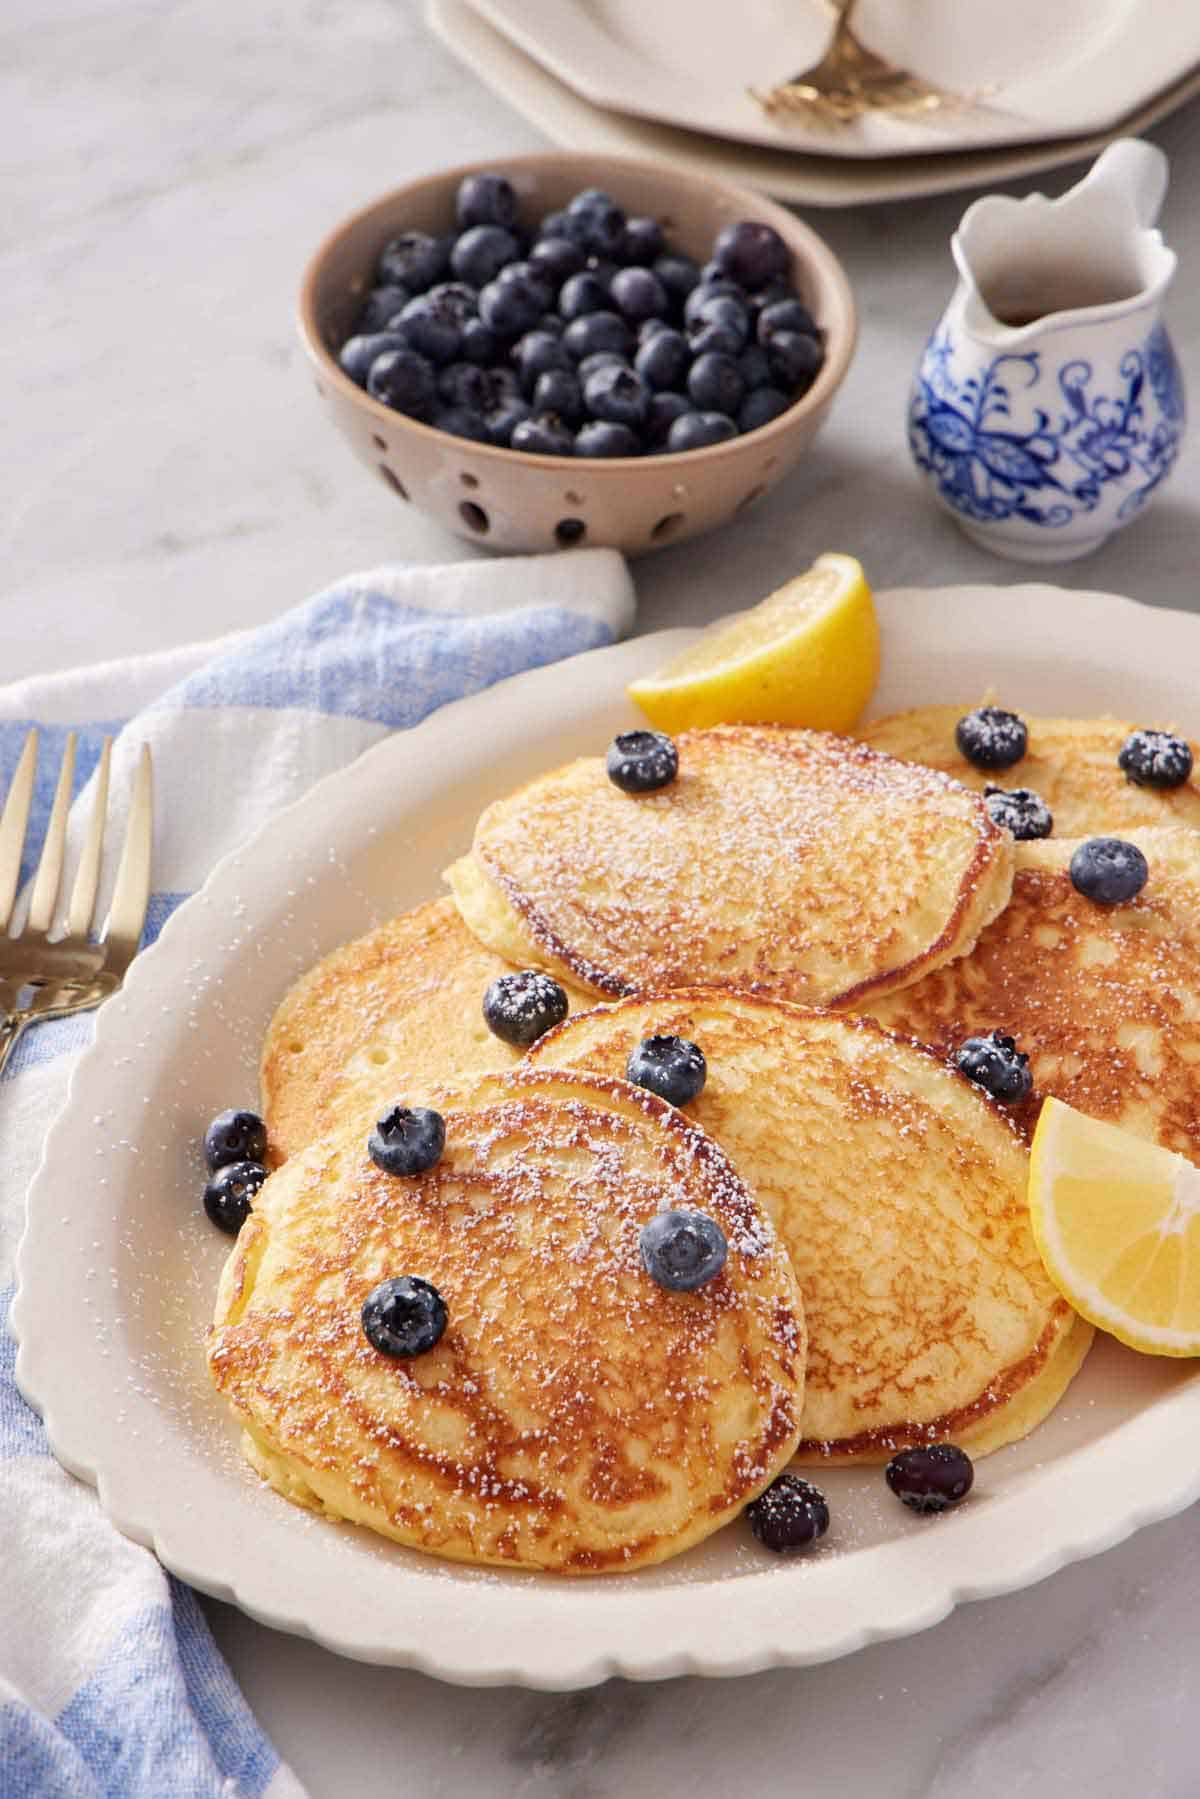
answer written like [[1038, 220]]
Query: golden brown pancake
[[1071, 764], [1105, 1000], [396, 1014], [790, 862], [899, 1191], [575, 1416]]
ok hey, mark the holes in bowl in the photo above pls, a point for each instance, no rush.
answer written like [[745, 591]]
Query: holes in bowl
[[568, 532], [748, 499], [468, 480], [572, 498], [393, 480], [475, 517], [666, 527], [379, 442]]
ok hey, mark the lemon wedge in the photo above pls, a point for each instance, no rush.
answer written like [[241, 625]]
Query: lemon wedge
[[806, 655], [1117, 1222]]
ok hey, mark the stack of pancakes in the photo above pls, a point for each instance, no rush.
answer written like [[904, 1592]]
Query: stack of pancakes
[[827, 918]]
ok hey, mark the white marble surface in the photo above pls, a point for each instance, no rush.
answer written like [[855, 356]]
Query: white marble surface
[[167, 475]]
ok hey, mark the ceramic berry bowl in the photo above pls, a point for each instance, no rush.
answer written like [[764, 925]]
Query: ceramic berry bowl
[[573, 438]]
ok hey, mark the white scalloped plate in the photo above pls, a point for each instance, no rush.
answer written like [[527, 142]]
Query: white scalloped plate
[[118, 1267]]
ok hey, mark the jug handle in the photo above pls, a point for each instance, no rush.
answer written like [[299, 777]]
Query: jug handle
[[1133, 170]]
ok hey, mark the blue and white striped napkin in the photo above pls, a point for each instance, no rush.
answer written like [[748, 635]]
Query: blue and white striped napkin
[[110, 1684]]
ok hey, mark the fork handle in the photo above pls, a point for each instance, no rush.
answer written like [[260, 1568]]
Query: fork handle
[[11, 1029]]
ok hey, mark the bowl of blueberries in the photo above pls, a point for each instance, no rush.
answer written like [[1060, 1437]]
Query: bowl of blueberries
[[576, 349]]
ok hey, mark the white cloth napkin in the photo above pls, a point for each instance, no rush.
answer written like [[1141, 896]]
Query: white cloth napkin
[[110, 1684]]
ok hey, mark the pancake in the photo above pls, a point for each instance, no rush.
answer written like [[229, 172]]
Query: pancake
[[1071, 764], [789, 862], [395, 1013], [574, 1416], [1105, 1000], [899, 1191]]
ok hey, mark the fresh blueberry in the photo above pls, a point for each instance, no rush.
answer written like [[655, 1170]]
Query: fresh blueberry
[[543, 435], [603, 270], [380, 306], [464, 384], [931, 1478], [414, 260], [756, 370], [641, 761], [1020, 811], [601, 222], [719, 323], [678, 274], [479, 344], [760, 407], [404, 1317], [504, 384], [793, 359], [770, 295], [407, 1140], [358, 353], [404, 381], [504, 420], [532, 280], [696, 430], [715, 383], [600, 437], [229, 1194], [552, 323], [617, 395], [558, 391], [664, 359], [650, 328], [682, 1250], [520, 1008], [643, 241], [1109, 871], [234, 1136], [1155, 759], [664, 408], [989, 737], [790, 1515], [555, 224], [463, 421], [638, 295], [785, 315], [712, 271], [557, 258], [752, 253], [597, 331], [997, 1065], [704, 291], [537, 352], [510, 308], [669, 1066], [602, 359], [431, 324], [485, 199], [582, 294], [480, 253]]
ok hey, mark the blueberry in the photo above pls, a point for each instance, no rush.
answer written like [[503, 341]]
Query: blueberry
[[543, 435], [669, 1066], [696, 430], [234, 1136], [404, 1317], [558, 391], [715, 383], [603, 271], [407, 1140], [358, 353], [997, 1065], [520, 1008], [510, 308], [663, 410], [485, 199], [678, 274], [932, 1478], [414, 260], [638, 294], [381, 305], [530, 279], [479, 344], [793, 359], [404, 381], [600, 437], [463, 421], [617, 395], [664, 359], [600, 221], [1109, 870], [1020, 811], [1155, 759], [504, 420], [228, 1195], [705, 291], [537, 352], [557, 258], [552, 324], [756, 370], [989, 737], [643, 241], [464, 384], [602, 359], [785, 315], [480, 253], [682, 1250], [432, 325], [719, 323], [752, 253], [760, 407], [641, 761], [790, 1515], [555, 224], [770, 295], [582, 294], [597, 331]]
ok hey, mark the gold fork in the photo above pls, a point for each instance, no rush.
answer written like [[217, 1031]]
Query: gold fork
[[48, 975], [850, 80]]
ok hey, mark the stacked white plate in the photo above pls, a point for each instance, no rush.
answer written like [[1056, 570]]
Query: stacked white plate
[[1039, 85]]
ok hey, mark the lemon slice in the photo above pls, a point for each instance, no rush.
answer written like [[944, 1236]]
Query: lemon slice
[[1117, 1222], [806, 655]]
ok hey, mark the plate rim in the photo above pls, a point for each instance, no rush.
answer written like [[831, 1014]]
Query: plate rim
[[485, 1633]]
